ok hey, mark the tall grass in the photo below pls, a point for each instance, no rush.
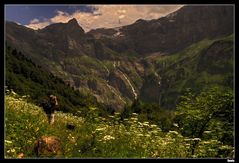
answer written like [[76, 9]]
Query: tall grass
[[95, 136]]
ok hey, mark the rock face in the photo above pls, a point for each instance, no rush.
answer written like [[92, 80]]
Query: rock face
[[109, 63], [171, 33], [150, 91], [48, 146], [117, 80], [217, 58]]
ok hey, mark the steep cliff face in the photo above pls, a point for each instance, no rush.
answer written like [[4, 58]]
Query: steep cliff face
[[69, 38], [172, 33], [200, 66], [151, 60], [218, 58]]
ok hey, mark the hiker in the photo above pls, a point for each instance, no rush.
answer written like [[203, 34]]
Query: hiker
[[50, 107]]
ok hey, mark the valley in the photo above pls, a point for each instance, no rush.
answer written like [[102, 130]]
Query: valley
[[158, 88], [117, 73]]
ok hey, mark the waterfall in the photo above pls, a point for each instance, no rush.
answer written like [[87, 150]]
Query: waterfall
[[159, 84], [117, 64], [132, 88], [114, 91]]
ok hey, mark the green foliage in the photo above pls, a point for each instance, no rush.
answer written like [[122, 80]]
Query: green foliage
[[150, 112], [201, 127], [26, 122], [200, 66], [100, 137], [26, 78], [207, 116]]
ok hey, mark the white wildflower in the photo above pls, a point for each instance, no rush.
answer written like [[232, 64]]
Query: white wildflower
[[145, 124], [8, 141], [13, 92], [100, 129], [225, 147], [13, 150], [134, 119], [111, 116], [153, 126], [108, 137], [207, 132], [196, 139], [175, 124], [206, 142], [173, 132]]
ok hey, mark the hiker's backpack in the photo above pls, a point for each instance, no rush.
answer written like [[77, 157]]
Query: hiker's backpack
[[47, 107]]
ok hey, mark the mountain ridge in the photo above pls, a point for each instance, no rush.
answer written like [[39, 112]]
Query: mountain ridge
[[175, 31], [112, 64]]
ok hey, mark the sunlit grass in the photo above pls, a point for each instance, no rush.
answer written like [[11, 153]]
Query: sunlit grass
[[94, 136]]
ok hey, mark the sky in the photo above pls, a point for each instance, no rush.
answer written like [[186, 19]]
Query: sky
[[88, 16]]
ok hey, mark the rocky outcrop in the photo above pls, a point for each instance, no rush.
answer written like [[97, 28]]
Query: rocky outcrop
[[172, 33], [150, 91], [110, 63], [217, 59], [118, 81], [48, 146]]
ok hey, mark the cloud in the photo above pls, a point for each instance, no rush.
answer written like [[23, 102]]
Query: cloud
[[39, 25], [108, 16], [34, 21], [121, 16], [61, 16], [121, 11]]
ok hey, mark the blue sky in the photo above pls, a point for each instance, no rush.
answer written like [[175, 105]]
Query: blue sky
[[88, 16], [23, 14]]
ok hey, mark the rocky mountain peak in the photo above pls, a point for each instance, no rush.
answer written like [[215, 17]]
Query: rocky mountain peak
[[73, 21], [73, 24]]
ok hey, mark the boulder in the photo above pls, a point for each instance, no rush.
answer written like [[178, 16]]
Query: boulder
[[48, 146]]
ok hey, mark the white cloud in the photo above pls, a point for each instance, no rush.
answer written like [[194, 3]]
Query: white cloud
[[39, 25], [62, 17], [108, 16], [121, 11], [121, 16], [34, 21]]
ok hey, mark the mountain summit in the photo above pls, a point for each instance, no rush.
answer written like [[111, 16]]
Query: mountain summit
[[71, 26], [73, 21], [171, 33], [74, 24], [153, 60]]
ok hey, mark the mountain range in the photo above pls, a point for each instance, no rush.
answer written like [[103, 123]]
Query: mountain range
[[151, 60]]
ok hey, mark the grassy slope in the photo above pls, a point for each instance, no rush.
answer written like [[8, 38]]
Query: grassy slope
[[26, 78], [186, 69], [95, 136]]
